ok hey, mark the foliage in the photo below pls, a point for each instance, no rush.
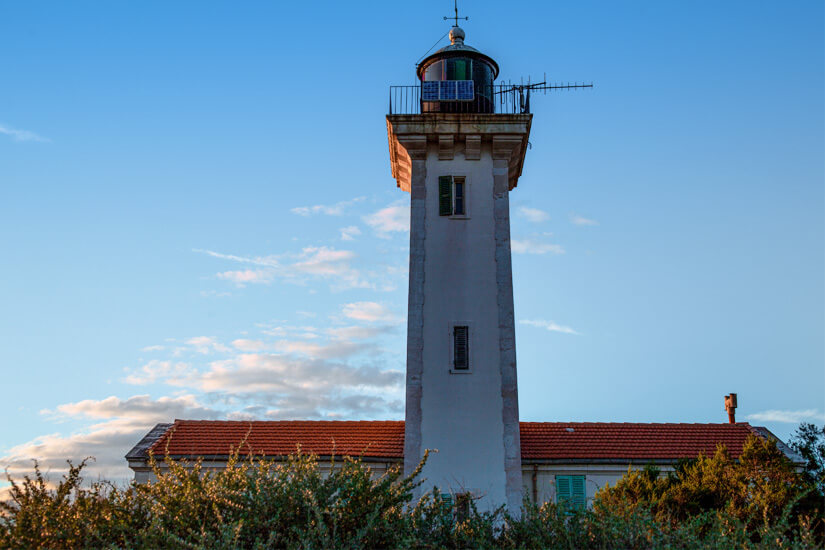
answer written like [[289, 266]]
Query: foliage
[[809, 441], [759, 490], [256, 503]]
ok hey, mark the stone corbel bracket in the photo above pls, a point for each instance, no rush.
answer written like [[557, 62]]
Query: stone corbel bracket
[[410, 135]]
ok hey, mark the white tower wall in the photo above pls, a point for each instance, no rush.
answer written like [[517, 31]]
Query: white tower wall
[[461, 275]]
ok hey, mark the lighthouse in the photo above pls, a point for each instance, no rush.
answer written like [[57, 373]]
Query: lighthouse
[[457, 144]]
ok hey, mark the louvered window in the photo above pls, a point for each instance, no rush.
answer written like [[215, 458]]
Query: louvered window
[[452, 196], [570, 491], [461, 348]]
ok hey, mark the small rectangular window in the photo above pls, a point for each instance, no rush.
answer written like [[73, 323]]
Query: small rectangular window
[[458, 196], [452, 196], [461, 348]]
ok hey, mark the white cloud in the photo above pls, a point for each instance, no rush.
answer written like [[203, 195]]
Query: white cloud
[[393, 218], [349, 232], [533, 214], [215, 293], [369, 311], [138, 408], [281, 372], [206, 344], [268, 261], [322, 260], [337, 349], [357, 332], [548, 325], [126, 422], [333, 407], [330, 210], [271, 376], [21, 135], [246, 276], [153, 348], [789, 417], [319, 262], [249, 345], [107, 442], [172, 373], [532, 246], [327, 263], [575, 219]]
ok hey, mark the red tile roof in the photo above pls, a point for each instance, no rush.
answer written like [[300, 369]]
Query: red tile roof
[[555, 441], [380, 439], [603, 440]]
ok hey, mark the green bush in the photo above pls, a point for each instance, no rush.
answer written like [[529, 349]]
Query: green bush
[[256, 503]]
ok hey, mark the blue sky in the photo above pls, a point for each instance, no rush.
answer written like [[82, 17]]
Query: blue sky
[[197, 217]]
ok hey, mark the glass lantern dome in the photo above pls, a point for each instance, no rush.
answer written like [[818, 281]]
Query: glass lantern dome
[[457, 79]]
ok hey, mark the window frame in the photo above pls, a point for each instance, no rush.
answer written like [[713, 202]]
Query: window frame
[[451, 346], [465, 183]]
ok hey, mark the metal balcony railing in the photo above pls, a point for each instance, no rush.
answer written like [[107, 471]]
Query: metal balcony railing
[[499, 98]]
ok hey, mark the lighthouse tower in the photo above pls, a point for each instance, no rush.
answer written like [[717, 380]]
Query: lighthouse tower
[[457, 146]]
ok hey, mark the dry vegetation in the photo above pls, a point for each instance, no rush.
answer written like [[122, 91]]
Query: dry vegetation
[[713, 502]]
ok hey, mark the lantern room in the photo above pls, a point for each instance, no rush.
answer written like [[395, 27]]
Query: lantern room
[[457, 79]]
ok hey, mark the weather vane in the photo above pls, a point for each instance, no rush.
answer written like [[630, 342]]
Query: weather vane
[[456, 17]]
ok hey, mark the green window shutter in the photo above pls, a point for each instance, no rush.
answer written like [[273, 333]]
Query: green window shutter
[[578, 498], [563, 492], [445, 195], [447, 501]]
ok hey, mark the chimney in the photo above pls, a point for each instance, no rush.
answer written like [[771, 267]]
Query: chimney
[[730, 406]]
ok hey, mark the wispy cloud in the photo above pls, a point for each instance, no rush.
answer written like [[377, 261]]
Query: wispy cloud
[[153, 348], [391, 219], [349, 232], [125, 421], [533, 214], [788, 417], [357, 332], [245, 344], [21, 135], [336, 209], [267, 261], [313, 262], [206, 344], [369, 311], [138, 408], [575, 219], [283, 371], [270, 375], [548, 325], [155, 370], [534, 246], [244, 277]]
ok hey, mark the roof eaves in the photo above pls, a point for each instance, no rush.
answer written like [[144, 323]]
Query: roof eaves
[[792, 455], [139, 451], [609, 461]]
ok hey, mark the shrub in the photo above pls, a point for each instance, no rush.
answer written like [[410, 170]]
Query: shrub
[[256, 503]]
